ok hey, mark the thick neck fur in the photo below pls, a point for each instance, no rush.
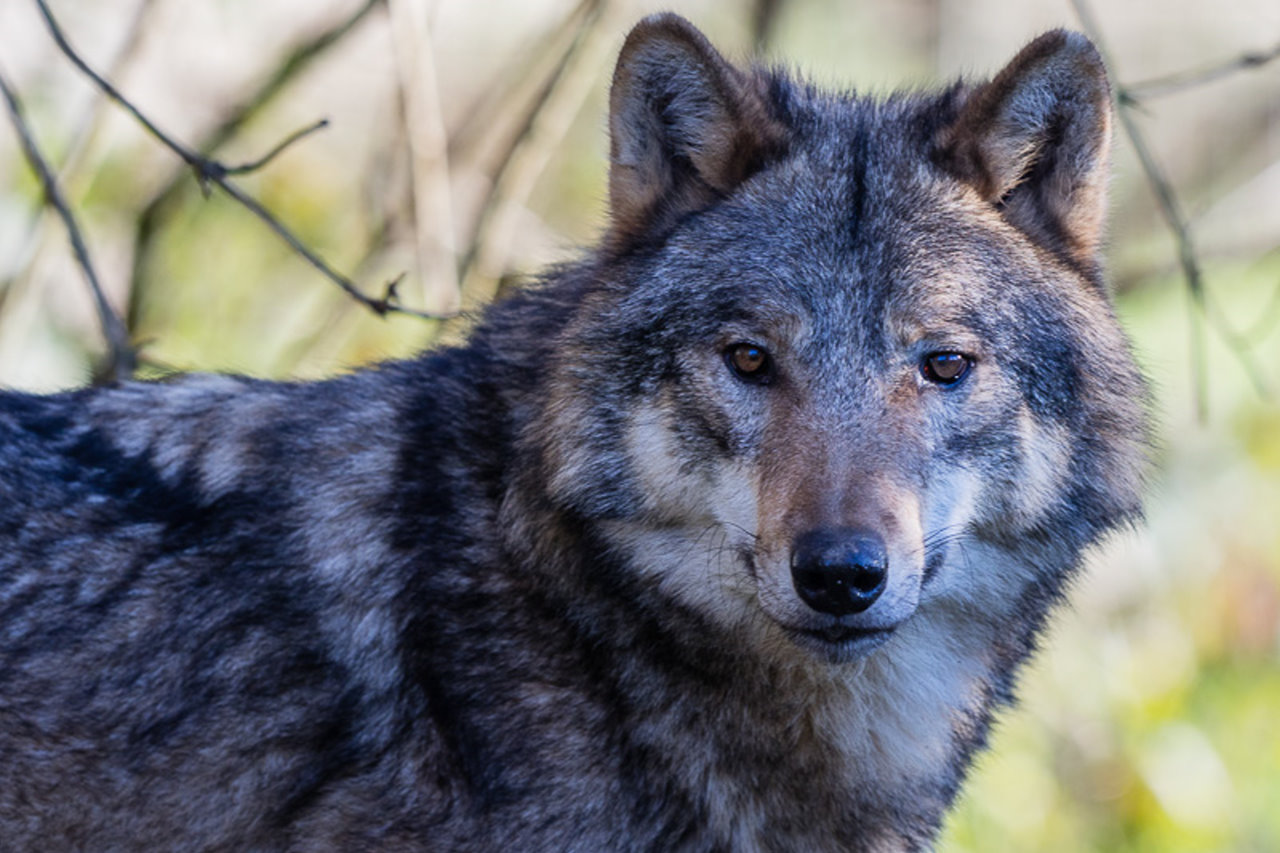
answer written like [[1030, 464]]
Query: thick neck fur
[[732, 728], [746, 731]]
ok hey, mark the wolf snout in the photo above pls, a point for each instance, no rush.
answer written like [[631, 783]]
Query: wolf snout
[[839, 571]]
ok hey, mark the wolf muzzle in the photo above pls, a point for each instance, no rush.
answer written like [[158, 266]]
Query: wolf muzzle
[[839, 571]]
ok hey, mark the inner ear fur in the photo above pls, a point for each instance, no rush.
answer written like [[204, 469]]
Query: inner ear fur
[[686, 128], [1035, 141]]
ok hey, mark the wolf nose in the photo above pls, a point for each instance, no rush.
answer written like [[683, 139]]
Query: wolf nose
[[839, 571]]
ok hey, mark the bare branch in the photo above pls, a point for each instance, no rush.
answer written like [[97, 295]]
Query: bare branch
[[484, 133], [1187, 255], [428, 144], [384, 305], [297, 61], [211, 171], [123, 360], [293, 64], [255, 165], [545, 125], [489, 135], [111, 92], [81, 143], [1182, 80]]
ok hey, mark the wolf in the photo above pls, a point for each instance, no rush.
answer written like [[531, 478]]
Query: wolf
[[731, 535]]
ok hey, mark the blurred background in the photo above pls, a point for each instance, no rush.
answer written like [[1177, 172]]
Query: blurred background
[[466, 148]]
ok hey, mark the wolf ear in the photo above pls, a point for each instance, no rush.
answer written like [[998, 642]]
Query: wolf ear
[[686, 128], [1035, 141]]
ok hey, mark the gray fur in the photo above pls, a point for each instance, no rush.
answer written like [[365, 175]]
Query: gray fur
[[534, 592]]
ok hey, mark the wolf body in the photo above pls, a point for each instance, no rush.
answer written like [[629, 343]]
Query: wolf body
[[730, 536]]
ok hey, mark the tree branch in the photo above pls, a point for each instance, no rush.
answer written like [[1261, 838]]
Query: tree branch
[[78, 150], [544, 126], [1182, 80], [427, 140], [209, 171], [255, 165], [1188, 258], [297, 61], [122, 359]]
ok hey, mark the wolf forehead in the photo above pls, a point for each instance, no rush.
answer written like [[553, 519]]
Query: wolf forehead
[[855, 217], [838, 238]]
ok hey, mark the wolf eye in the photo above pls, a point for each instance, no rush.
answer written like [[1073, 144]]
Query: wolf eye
[[749, 362], [945, 368]]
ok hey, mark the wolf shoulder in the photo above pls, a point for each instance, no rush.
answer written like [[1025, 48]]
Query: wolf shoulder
[[192, 461]]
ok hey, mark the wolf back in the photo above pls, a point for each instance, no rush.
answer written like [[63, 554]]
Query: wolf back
[[731, 535]]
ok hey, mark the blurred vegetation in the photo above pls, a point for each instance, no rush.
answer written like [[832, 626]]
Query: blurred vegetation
[[1149, 723]]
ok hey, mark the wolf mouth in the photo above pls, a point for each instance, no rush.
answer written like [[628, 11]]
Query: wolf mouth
[[841, 642]]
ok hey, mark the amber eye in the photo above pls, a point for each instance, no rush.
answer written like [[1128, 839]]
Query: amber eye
[[749, 362], [945, 368]]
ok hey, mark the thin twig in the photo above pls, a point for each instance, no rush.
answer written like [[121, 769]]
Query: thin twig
[[488, 138], [488, 124], [123, 359], [158, 209], [81, 144], [1187, 255], [542, 131], [297, 61], [255, 165], [428, 143], [118, 66], [1181, 80], [384, 305], [211, 171], [191, 159]]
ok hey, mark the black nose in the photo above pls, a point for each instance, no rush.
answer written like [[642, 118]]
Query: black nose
[[839, 570]]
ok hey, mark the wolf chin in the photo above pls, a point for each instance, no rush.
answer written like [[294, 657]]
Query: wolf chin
[[731, 535]]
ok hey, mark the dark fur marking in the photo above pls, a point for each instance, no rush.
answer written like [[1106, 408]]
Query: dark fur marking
[[336, 754]]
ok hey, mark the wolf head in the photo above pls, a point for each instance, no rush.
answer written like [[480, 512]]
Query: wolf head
[[843, 359]]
